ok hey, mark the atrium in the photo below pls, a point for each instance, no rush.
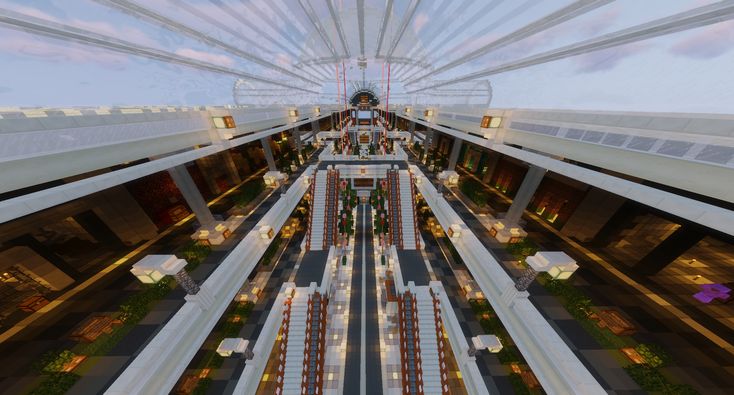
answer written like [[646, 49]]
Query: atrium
[[366, 197]]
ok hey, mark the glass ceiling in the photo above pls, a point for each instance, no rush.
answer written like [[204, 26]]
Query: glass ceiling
[[439, 51]]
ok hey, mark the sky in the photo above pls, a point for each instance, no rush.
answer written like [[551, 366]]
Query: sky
[[687, 71]]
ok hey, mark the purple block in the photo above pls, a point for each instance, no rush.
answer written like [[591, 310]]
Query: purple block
[[709, 292]]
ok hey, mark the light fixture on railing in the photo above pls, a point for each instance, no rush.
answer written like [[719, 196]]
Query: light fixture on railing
[[557, 264], [225, 122], [490, 343], [153, 268]]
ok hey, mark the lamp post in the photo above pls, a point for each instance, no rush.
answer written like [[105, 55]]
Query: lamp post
[[153, 268], [556, 263], [490, 343]]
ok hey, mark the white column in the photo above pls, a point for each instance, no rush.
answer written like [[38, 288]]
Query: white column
[[527, 189], [188, 189], [268, 153], [427, 141], [454, 156]]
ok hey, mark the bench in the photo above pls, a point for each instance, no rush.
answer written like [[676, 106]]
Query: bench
[[94, 327], [614, 321]]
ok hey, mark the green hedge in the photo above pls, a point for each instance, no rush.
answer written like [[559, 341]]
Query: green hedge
[[56, 384], [522, 249], [202, 386], [194, 253], [454, 253], [270, 251], [248, 192], [474, 190], [652, 380], [518, 385]]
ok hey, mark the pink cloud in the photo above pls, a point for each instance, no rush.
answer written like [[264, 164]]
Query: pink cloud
[[708, 43], [420, 21], [606, 59], [222, 60], [22, 43]]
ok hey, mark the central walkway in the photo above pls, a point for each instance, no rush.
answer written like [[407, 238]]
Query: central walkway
[[363, 364]]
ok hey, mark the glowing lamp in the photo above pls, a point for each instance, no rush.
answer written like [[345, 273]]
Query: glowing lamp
[[153, 268], [490, 343], [557, 264], [226, 122], [454, 231], [266, 232]]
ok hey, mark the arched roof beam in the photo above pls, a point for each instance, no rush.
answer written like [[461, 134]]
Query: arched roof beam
[[153, 17], [697, 17], [47, 28], [571, 11]]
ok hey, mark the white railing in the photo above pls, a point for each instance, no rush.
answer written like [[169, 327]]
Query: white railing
[[157, 368], [556, 366], [473, 380]]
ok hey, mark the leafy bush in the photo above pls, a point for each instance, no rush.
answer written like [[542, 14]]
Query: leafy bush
[[508, 355], [474, 190], [647, 377], [522, 249], [53, 361], [138, 305], [454, 253], [202, 386], [653, 354], [105, 343], [248, 192], [56, 384], [194, 253], [270, 251], [480, 306], [518, 385]]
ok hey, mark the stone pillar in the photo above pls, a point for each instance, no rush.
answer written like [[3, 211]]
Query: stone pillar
[[411, 129], [529, 184], [506, 230], [427, 141], [454, 156], [209, 174], [188, 189], [265, 141], [232, 173], [670, 249]]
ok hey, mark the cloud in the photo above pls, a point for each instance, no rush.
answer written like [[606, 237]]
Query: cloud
[[222, 60], [25, 44], [125, 33], [606, 59], [710, 42], [5, 89], [420, 21], [596, 24]]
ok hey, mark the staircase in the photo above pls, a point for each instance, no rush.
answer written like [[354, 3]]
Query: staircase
[[428, 341], [332, 209], [407, 211], [316, 230], [313, 366], [296, 345], [393, 189]]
